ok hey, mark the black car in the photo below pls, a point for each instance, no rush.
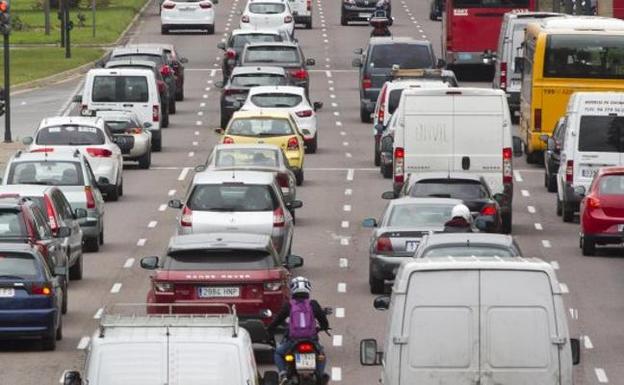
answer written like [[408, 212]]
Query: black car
[[552, 155], [361, 10], [436, 9], [235, 91]]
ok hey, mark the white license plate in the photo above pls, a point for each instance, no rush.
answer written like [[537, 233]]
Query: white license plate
[[187, 9], [411, 245], [7, 292], [364, 15], [305, 361], [588, 172], [219, 292]]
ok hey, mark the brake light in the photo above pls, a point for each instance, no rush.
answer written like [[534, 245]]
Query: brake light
[[383, 245], [382, 105], [231, 54], [489, 210], [300, 74], [90, 197], [187, 217], [282, 180], [245, 19], [593, 202], [205, 5], [366, 83], [569, 171], [538, 119], [507, 166], [136, 130], [51, 213], [287, 19], [168, 5], [99, 152], [399, 163], [503, 76], [43, 149], [305, 347], [293, 144], [304, 113], [227, 140], [163, 287], [309, 5], [165, 70], [155, 113], [161, 87], [41, 289], [278, 217]]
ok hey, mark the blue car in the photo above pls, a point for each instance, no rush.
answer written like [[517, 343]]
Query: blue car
[[31, 295]]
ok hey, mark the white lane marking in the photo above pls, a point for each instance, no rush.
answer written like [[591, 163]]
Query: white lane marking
[[162, 207], [342, 133], [207, 89], [152, 224], [200, 113], [128, 264], [195, 143], [336, 113], [600, 374], [327, 66], [348, 191], [525, 193], [346, 207], [332, 96], [546, 243], [555, 265], [116, 288], [202, 104], [337, 340], [342, 287], [338, 123], [344, 224], [141, 242], [345, 144], [350, 173], [348, 154], [171, 193], [205, 96], [198, 123], [573, 313], [213, 72], [531, 209], [328, 74], [344, 241], [84, 342], [183, 174], [517, 176], [587, 343], [331, 89], [335, 105], [336, 373], [330, 82], [538, 226], [98, 313], [196, 133], [424, 36], [340, 312], [325, 41], [564, 288], [191, 154], [343, 262]]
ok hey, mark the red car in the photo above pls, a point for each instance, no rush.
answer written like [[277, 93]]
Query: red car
[[237, 269], [602, 210]]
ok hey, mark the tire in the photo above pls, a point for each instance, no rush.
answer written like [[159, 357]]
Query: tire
[[224, 120], [534, 157], [92, 244], [377, 286], [507, 223], [432, 16], [157, 144], [210, 29], [299, 177], [271, 378], [377, 157], [164, 30], [48, 343], [309, 24], [59, 330], [386, 171], [121, 192], [311, 149], [180, 93], [113, 194], [146, 160], [165, 118], [567, 212], [588, 246], [64, 306], [101, 237], [75, 271], [172, 106], [364, 115], [558, 209], [551, 184], [343, 20], [294, 219]]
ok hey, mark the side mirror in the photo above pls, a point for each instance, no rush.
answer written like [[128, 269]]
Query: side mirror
[[310, 62], [382, 302], [517, 146], [219, 131], [388, 195], [270, 378], [200, 168], [147, 125], [72, 377], [580, 190], [219, 84], [80, 213], [77, 99], [369, 355], [60, 271], [294, 204], [519, 64], [379, 128], [221, 46], [317, 105], [357, 62], [102, 182], [149, 263], [27, 140], [175, 204], [575, 345], [183, 60], [293, 261], [369, 223], [358, 51], [63, 232], [441, 63]]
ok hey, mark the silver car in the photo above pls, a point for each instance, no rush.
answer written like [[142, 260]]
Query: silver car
[[239, 202], [69, 171], [399, 231], [468, 245]]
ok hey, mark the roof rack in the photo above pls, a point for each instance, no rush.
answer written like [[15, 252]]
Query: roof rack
[[421, 73], [167, 315]]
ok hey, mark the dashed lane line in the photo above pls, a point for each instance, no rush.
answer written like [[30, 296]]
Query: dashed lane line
[[573, 313], [525, 193], [538, 226], [348, 191], [337, 340], [344, 241], [340, 312], [531, 209], [546, 243], [183, 173], [587, 343], [555, 265], [98, 313], [344, 224], [600, 374], [346, 208], [116, 288], [350, 174], [152, 224], [336, 374], [341, 287], [343, 263], [162, 207], [518, 176], [129, 262], [564, 288], [141, 242], [83, 343], [171, 193]]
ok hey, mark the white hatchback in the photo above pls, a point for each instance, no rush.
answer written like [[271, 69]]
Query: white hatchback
[[268, 14], [291, 99], [187, 14], [127, 123]]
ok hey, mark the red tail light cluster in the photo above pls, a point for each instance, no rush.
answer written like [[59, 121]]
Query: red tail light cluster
[[309, 5], [569, 171], [278, 217], [165, 70], [230, 54], [187, 217], [205, 5], [304, 113], [300, 74], [99, 152], [41, 289], [50, 213], [489, 210], [503, 76], [245, 19], [507, 165], [305, 347], [366, 83], [43, 149], [383, 245], [155, 113], [593, 202], [90, 197], [168, 5], [282, 180], [293, 144], [399, 163], [228, 140], [382, 105]]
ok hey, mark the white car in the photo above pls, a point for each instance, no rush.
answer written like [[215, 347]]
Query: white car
[[93, 139], [291, 99], [268, 14], [126, 123], [187, 14], [302, 12]]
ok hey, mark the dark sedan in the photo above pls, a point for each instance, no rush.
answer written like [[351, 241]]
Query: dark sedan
[[361, 10]]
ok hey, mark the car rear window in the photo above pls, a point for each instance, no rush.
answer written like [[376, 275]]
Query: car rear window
[[463, 251], [223, 259], [407, 56], [122, 126], [449, 188], [601, 134], [12, 224], [232, 197], [246, 157], [417, 215], [276, 100], [72, 135], [54, 173], [153, 57], [260, 127], [18, 265], [119, 89], [275, 54], [239, 41], [266, 8], [393, 100], [611, 185], [255, 80]]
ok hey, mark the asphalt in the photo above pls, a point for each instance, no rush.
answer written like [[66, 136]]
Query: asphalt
[[341, 188]]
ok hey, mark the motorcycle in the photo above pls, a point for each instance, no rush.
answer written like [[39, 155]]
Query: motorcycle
[[380, 22]]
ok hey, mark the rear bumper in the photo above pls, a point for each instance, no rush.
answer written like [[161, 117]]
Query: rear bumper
[[385, 267], [605, 239], [302, 18], [207, 19], [27, 322]]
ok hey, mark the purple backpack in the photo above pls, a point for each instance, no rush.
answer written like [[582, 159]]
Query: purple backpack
[[302, 323]]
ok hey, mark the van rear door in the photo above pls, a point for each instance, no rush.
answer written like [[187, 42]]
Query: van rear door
[[122, 92], [600, 144]]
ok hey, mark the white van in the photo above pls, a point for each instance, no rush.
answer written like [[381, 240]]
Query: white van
[[129, 89], [457, 129], [593, 139], [470, 320], [302, 12]]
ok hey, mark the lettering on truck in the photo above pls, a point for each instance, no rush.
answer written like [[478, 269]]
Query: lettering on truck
[[436, 133]]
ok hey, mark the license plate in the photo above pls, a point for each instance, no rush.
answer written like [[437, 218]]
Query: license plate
[[411, 245], [464, 56], [7, 292], [219, 292], [588, 172], [515, 84], [364, 15], [305, 361], [186, 9]]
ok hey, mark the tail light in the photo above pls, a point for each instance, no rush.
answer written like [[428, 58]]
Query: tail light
[[569, 171], [366, 83], [593, 202], [43, 149], [489, 210], [272, 286], [382, 105], [282, 180], [162, 87], [205, 5], [503, 76], [383, 245], [227, 140], [399, 163], [163, 287], [41, 289], [90, 197], [278, 217], [305, 347], [299, 74], [538, 119], [287, 19], [99, 152], [187, 217], [309, 5], [507, 166], [245, 19], [51, 213], [293, 144], [165, 70], [230, 54], [136, 130], [168, 5], [155, 113], [304, 113]]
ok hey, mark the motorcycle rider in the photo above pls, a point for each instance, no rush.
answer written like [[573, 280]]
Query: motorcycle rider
[[461, 220], [300, 310], [380, 20]]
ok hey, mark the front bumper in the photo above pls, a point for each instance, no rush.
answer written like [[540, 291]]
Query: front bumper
[[385, 267], [356, 13]]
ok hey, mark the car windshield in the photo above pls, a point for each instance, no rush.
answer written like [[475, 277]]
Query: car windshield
[[232, 197], [417, 215], [255, 80], [122, 126], [275, 54], [18, 265], [260, 127], [449, 188], [239, 41], [241, 157], [222, 259], [472, 251], [611, 185], [276, 100], [54, 173], [155, 58], [119, 89], [11, 224], [73, 135], [584, 56], [407, 56], [601, 134], [266, 8]]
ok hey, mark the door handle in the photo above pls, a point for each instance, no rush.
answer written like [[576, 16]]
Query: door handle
[[466, 163], [128, 105]]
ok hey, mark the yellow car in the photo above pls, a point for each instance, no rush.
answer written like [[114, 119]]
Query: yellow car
[[278, 128]]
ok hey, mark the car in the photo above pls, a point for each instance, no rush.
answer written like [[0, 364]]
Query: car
[[602, 210], [93, 139], [236, 41], [399, 231], [287, 55], [242, 270], [255, 157], [176, 62], [53, 204], [361, 10], [467, 245], [234, 91], [278, 128], [381, 57], [127, 124], [291, 99], [187, 14], [237, 202], [386, 147], [268, 14], [302, 12], [72, 174], [552, 155], [436, 9], [31, 295]]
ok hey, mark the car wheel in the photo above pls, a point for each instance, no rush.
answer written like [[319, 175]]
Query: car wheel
[[59, 330], [180, 93], [311, 148], [101, 237], [588, 246], [299, 177], [121, 188], [364, 115], [75, 271], [309, 23], [432, 16], [210, 29], [64, 306], [534, 157], [165, 118], [386, 170], [343, 20], [377, 157], [558, 209], [224, 120], [567, 212], [551, 184], [507, 223], [164, 30], [157, 143], [146, 160], [113, 194], [92, 244], [377, 286], [48, 343]]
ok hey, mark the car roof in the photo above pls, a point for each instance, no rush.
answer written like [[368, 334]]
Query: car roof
[[239, 31], [423, 201], [233, 176], [258, 69], [397, 39], [117, 114], [532, 15], [164, 46], [116, 63], [137, 48], [219, 241], [71, 120], [273, 44], [25, 189], [16, 247], [260, 113], [277, 89], [583, 23], [60, 153], [463, 91], [613, 170], [234, 146], [468, 238], [121, 71]]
